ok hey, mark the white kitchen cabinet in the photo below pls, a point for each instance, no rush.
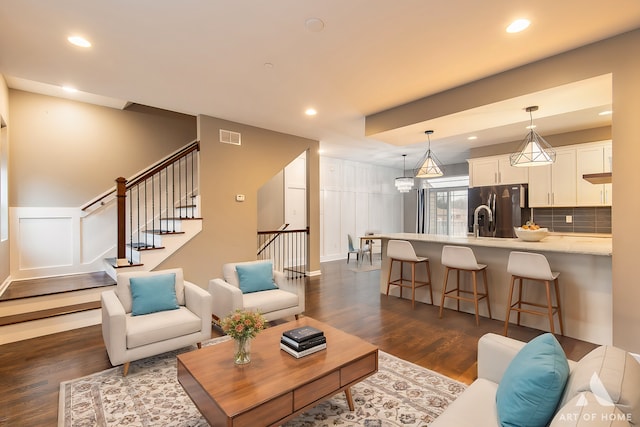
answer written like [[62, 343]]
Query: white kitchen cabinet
[[608, 165], [495, 170], [510, 174], [593, 158], [540, 186], [608, 156], [555, 184]]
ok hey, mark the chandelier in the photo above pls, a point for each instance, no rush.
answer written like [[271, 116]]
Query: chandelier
[[534, 150], [429, 165], [404, 183]]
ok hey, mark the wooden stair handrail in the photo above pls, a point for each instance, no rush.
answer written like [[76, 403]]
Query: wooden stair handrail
[[123, 186], [276, 234], [164, 164], [285, 231], [183, 152], [286, 248]]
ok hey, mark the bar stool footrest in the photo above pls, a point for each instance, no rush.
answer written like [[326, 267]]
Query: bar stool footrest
[[464, 291]]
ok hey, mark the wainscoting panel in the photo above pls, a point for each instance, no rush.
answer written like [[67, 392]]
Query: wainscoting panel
[[49, 241], [356, 198], [98, 234], [45, 242], [330, 227]]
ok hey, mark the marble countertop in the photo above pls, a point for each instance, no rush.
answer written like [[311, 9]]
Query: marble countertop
[[580, 244]]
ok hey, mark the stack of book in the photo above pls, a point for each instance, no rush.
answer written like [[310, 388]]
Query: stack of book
[[300, 342]]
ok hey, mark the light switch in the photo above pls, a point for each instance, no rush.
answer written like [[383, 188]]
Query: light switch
[[239, 197], [568, 219]]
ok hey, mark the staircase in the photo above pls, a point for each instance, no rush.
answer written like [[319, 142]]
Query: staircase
[[158, 211], [36, 307], [152, 246]]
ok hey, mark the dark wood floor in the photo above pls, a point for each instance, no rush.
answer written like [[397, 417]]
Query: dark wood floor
[[22, 289], [31, 370], [55, 285]]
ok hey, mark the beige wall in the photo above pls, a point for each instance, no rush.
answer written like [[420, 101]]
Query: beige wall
[[4, 121], [64, 153], [69, 152], [313, 207], [4, 99], [616, 55], [229, 228], [271, 203]]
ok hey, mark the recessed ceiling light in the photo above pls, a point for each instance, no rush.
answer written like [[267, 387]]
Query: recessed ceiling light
[[311, 112], [605, 113], [69, 89], [518, 25], [471, 138], [79, 41]]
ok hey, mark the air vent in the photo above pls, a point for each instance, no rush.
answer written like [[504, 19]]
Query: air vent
[[230, 137]]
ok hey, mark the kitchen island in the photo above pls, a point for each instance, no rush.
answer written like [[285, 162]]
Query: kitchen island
[[584, 263]]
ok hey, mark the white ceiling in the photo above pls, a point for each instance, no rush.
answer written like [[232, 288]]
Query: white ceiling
[[210, 57], [565, 108]]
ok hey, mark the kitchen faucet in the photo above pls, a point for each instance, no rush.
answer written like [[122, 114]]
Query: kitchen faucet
[[476, 227]]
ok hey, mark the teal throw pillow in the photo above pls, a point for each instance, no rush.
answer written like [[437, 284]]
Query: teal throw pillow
[[151, 294], [533, 383], [255, 277]]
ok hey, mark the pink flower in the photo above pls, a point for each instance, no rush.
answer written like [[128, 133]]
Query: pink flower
[[243, 324]]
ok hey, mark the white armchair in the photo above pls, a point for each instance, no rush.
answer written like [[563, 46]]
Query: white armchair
[[286, 299], [128, 336]]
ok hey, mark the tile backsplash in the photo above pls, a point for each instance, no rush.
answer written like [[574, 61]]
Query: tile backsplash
[[583, 220]]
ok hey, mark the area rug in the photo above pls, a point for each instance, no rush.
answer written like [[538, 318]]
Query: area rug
[[399, 394]]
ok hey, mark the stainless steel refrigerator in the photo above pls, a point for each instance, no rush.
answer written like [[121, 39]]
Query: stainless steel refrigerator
[[508, 205]]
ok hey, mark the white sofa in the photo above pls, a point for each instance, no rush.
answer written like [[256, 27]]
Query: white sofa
[[617, 371], [129, 337], [287, 300]]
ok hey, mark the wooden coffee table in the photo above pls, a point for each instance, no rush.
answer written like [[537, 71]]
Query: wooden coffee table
[[275, 386]]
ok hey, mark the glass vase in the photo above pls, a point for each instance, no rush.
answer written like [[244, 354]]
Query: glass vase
[[242, 353]]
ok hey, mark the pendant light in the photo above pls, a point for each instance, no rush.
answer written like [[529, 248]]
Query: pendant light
[[404, 183], [429, 166], [534, 150]]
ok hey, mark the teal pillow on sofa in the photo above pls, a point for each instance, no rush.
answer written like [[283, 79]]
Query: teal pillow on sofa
[[151, 294], [255, 277], [533, 383]]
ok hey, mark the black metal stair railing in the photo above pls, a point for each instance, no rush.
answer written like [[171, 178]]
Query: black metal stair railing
[[154, 202], [287, 249]]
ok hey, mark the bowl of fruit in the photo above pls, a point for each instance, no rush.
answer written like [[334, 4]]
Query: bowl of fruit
[[531, 232]]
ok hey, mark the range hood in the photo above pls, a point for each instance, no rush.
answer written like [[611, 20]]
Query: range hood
[[598, 178]]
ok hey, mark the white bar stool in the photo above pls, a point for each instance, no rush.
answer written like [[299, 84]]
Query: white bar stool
[[531, 266], [402, 251], [461, 258]]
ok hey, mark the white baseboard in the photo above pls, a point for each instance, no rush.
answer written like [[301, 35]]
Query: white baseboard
[[334, 257], [5, 285]]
